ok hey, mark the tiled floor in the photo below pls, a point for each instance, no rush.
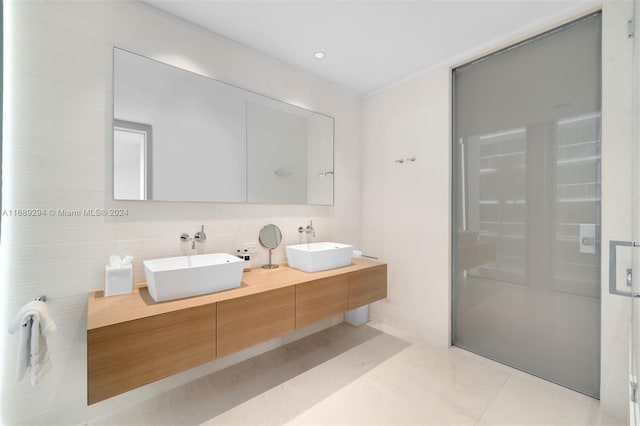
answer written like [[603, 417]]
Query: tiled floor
[[366, 375]]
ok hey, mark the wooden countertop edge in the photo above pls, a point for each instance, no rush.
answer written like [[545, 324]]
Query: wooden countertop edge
[[106, 311]]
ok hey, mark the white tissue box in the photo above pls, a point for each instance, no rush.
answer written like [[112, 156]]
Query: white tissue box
[[118, 280]]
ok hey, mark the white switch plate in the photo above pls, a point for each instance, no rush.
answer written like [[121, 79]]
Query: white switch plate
[[250, 247]]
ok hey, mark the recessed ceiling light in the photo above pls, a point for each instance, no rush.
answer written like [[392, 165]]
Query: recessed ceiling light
[[318, 55]]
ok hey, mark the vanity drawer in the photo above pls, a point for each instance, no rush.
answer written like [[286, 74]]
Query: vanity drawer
[[367, 286], [249, 320], [317, 300], [127, 355]]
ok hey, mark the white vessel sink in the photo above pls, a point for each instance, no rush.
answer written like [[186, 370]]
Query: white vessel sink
[[313, 257], [186, 276]]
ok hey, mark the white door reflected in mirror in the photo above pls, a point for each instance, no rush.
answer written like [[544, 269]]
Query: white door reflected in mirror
[[131, 142]]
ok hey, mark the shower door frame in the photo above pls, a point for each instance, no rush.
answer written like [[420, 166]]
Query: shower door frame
[[624, 254], [634, 300]]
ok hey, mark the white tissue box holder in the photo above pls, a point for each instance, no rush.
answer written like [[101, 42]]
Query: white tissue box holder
[[118, 280]]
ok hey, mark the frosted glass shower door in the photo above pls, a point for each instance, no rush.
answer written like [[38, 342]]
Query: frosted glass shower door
[[526, 206]]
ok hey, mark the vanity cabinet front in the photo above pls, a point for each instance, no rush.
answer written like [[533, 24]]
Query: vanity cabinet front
[[249, 320], [320, 299], [124, 356], [367, 285]]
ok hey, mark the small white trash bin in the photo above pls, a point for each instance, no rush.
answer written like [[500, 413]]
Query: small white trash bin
[[357, 316]]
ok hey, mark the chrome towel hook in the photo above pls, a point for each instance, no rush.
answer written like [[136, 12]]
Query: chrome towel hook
[[402, 160]]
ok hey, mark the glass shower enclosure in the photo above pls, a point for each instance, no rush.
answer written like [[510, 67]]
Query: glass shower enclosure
[[527, 205]]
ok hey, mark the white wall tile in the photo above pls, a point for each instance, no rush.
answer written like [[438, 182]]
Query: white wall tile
[[406, 206]]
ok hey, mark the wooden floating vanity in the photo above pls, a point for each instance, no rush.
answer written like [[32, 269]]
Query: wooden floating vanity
[[133, 340]]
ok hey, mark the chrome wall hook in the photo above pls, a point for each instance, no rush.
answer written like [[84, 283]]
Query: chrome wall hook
[[402, 160]]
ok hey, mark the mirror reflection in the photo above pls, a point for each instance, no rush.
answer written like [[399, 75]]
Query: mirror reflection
[[270, 236], [180, 136], [132, 142]]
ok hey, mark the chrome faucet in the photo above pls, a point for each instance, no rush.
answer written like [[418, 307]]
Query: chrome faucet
[[308, 230], [199, 236]]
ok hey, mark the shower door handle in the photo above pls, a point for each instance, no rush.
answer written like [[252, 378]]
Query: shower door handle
[[613, 289]]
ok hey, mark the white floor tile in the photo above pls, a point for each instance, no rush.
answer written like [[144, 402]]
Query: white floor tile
[[446, 384], [528, 400], [365, 402]]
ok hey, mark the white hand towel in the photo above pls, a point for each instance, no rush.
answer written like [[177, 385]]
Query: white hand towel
[[40, 361], [24, 353], [33, 324]]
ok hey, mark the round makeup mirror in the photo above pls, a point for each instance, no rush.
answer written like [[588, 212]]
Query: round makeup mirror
[[270, 238]]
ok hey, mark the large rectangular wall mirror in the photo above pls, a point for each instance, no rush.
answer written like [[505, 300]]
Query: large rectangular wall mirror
[[180, 136]]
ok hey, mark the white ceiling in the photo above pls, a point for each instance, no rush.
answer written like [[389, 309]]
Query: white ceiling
[[369, 45]]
